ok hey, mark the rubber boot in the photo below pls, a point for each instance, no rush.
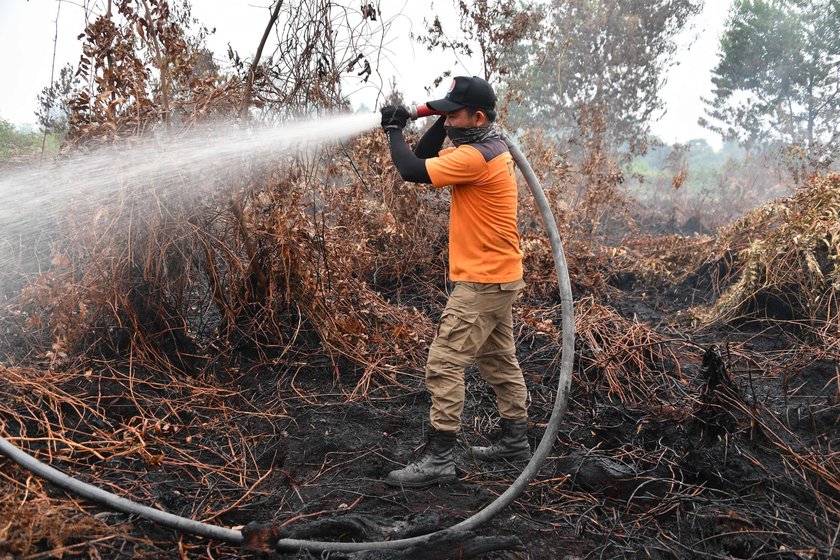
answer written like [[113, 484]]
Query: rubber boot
[[434, 466], [511, 446]]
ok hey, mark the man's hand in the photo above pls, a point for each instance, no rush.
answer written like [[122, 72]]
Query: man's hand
[[394, 117]]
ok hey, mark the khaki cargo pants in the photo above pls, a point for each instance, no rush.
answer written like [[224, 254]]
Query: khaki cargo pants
[[477, 325]]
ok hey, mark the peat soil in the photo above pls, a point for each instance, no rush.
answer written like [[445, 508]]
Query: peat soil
[[738, 464]]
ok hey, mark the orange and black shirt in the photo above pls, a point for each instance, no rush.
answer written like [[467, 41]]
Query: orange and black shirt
[[484, 243]]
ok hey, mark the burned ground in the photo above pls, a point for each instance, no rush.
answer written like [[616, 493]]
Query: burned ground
[[729, 455], [256, 361], [245, 347]]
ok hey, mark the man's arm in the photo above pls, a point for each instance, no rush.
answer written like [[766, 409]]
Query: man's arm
[[431, 142], [411, 167]]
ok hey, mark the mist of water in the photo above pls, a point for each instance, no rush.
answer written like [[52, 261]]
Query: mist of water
[[31, 198]]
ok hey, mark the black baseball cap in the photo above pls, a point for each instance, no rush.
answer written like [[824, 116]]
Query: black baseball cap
[[466, 91]]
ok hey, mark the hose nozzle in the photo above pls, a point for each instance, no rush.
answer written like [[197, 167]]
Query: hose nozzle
[[417, 111]]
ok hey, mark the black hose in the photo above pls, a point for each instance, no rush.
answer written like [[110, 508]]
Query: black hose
[[179, 523]]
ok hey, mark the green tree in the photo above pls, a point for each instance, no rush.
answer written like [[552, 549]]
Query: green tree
[[778, 78], [580, 68], [600, 59], [14, 142]]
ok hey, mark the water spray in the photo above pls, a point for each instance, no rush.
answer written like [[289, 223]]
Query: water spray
[[270, 538], [198, 157]]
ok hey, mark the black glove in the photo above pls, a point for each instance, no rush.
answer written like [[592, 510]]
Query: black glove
[[394, 117]]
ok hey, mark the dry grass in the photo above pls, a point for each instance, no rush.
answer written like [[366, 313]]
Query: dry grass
[[139, 355], [780, 261], [168, 349]]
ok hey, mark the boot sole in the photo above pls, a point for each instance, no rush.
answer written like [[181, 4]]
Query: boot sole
[[421, 484]]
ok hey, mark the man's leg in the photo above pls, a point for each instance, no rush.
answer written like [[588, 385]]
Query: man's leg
[[461, 332], [498, 365]]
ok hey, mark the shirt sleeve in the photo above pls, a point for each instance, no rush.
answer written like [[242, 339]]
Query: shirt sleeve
[[431, 142], [410, 167], [457, 166]]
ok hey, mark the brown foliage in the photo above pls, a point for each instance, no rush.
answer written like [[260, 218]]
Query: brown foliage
[[121, 96], [780, 261], [33, 521], [170, 334]]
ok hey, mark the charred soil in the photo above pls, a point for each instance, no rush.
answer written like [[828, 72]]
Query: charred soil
[[730, 457]]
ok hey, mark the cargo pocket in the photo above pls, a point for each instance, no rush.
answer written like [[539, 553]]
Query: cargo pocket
[[454, 329]]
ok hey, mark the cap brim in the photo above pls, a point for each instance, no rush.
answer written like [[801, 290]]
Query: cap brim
[[444, 105]]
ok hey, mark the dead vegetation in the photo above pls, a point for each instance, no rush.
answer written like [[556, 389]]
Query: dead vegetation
[[256, 354], [780, 261]]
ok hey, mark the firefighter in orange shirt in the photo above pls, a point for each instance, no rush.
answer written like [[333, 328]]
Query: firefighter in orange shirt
[[485, 262]]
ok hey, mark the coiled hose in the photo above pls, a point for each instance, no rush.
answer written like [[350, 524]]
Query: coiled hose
[[117, 503]]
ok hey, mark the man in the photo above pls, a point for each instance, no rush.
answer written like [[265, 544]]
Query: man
[[485, 261]]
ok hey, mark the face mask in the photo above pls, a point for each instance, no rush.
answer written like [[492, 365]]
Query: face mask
[[471, 135]]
